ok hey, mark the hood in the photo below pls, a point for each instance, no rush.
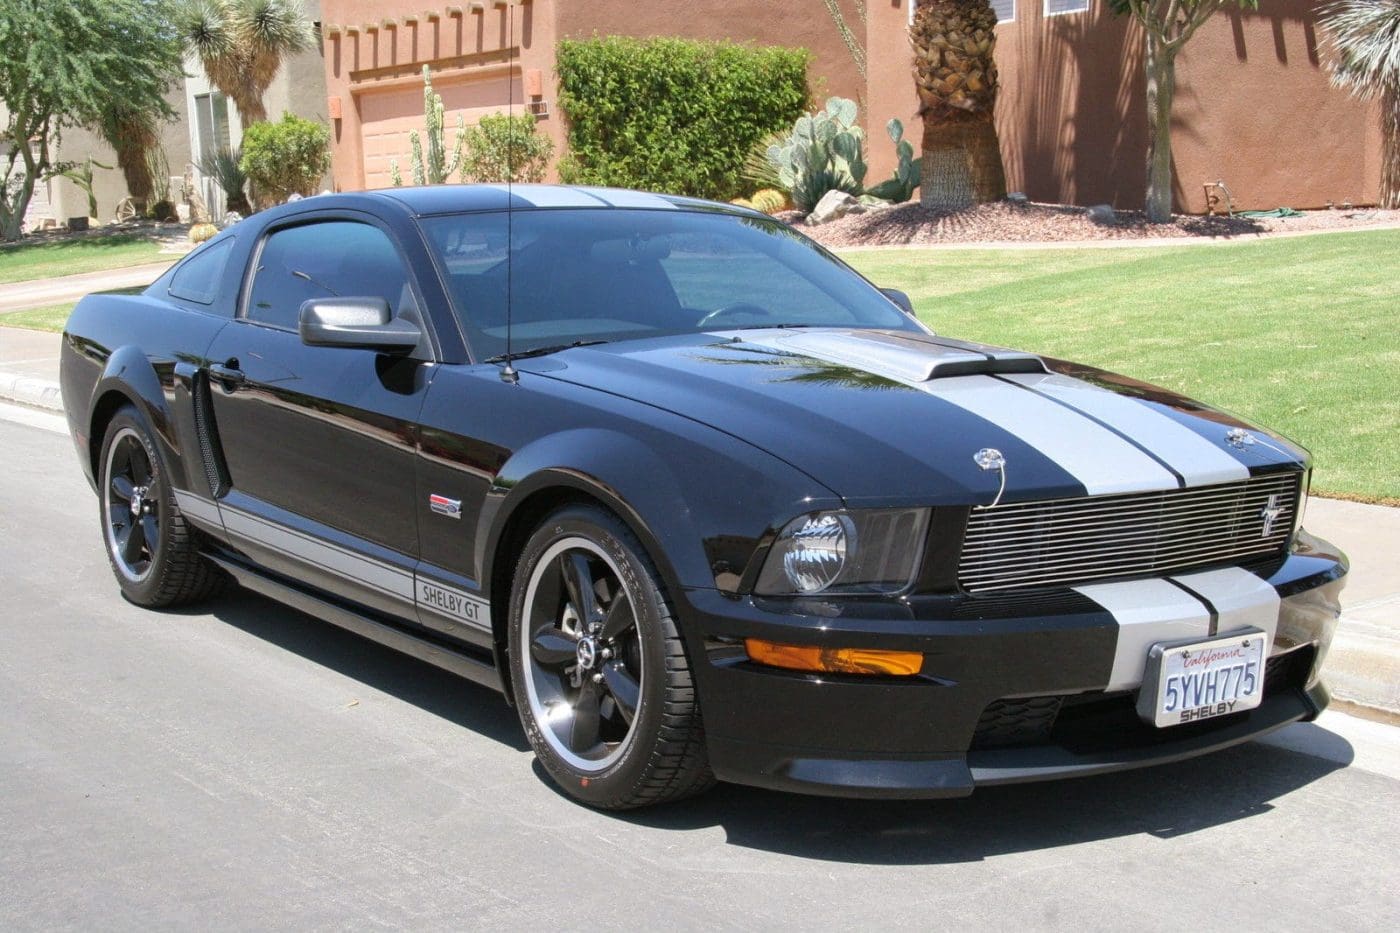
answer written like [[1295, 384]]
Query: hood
[[895, 417]]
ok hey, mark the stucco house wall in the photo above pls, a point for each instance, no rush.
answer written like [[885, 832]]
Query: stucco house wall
[[1254, 108]]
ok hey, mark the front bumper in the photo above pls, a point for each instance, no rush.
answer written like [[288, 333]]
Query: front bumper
[[1012, 689]]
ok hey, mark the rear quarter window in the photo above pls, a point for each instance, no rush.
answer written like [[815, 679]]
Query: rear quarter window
[[198, 277]]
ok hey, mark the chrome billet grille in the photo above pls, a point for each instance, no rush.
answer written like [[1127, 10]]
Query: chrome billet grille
[[1063, 542]]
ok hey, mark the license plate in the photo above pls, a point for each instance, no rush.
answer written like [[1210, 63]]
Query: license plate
[[1200, 680]]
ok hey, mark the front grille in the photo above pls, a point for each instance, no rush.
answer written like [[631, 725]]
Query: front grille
[[1064, 542]]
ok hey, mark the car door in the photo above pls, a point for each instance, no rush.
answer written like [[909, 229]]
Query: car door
[[320, 442]]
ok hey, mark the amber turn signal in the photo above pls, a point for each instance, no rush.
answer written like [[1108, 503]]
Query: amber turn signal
[[834, 660]]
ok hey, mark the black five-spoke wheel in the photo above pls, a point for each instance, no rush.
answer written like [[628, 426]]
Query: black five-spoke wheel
[[152, 550], [599, 671], [133, 505], [586, 677]]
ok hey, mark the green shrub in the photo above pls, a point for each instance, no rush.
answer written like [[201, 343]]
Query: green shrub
[[285, 158], [673, 115], [506, 148]]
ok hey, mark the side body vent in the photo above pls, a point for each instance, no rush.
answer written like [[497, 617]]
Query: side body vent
[[210, 452]]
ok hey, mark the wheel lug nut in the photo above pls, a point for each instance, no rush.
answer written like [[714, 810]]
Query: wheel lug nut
[[607, 653]]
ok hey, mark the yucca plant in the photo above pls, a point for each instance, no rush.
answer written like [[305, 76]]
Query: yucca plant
[[222, 166], [1364, 40], [242, 44], [955, 74]]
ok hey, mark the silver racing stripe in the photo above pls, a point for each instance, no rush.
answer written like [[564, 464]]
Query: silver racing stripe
[[1196, 459], [618, 197], [1150, 611], [1147, 611], [1241, 600], [1102, 461], [549, 196]]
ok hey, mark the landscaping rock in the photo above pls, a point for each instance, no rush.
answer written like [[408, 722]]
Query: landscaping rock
[[1101, 214], [1018, 198], [833, 206]]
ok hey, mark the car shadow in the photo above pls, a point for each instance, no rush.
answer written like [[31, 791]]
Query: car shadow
[[429, 688], [1167, 802]]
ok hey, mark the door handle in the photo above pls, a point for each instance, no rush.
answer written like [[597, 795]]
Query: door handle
[[227, 374]]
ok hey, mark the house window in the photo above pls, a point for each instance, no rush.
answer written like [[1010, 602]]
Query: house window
[[1005, 10], [211, 120], [1056, 7]]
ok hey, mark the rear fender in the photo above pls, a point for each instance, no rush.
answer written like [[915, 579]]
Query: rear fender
[[131, 378]]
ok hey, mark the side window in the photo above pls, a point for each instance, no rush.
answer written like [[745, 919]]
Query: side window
[[198, 277], [323, 260]]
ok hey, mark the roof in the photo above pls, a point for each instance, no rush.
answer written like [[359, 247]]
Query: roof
[[452, 199]]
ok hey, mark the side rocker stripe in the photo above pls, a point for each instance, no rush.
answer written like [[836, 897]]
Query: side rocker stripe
[[1196, 459]]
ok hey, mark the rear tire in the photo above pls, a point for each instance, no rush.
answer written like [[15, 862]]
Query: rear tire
[[602, 682], [152, 549]]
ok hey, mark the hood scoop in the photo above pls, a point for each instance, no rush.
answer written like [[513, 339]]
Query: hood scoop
[[898, 355]]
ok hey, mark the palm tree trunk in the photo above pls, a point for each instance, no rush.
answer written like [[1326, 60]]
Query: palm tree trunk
[[945, 178], [984, 161], [961, 164], [1161, 88], [1390, 147]]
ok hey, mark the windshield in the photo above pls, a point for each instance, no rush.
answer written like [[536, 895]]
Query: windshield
[[605, 275]]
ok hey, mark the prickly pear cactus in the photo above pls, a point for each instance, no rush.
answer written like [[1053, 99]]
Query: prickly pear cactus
[[823, 153], [901, 187]]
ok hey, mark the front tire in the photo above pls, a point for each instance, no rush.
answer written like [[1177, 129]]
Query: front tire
[[150, 546], [602, 682]]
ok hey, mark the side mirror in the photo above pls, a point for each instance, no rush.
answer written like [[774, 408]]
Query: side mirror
[[359, 323], [899, 298]]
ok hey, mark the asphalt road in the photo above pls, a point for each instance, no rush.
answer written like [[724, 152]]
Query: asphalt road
[[245, 766]]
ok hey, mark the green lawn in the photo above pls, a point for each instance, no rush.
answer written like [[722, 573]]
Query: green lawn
[[1298, 334], [25, 261], [51, 318]]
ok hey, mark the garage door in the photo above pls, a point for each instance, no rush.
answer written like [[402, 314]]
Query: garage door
[[386, 117]]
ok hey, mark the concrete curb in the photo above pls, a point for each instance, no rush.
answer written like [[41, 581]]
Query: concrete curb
[[27, 390]]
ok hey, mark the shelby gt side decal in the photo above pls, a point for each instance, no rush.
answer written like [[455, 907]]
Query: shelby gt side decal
[[454, 604]]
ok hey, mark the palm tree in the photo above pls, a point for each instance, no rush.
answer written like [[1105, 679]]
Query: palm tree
[[956, 77], [1364, 36], [242, 44], [132, 132]]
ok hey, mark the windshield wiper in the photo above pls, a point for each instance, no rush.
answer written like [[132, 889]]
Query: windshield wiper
[[542, 351]]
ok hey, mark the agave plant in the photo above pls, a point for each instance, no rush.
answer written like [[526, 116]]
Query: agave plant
[[1364, 40], [242, 44], [222, 166]]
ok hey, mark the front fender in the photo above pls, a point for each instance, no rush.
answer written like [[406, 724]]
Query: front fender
[[699, 510]]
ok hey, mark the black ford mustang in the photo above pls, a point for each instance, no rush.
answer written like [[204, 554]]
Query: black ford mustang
[[701, 501]]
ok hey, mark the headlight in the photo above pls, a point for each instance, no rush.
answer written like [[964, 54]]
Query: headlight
[[864, 551]]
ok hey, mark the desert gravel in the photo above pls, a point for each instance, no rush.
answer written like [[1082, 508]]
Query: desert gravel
[[1005, 222]]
